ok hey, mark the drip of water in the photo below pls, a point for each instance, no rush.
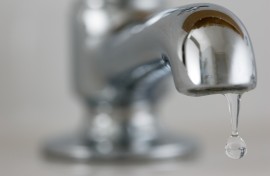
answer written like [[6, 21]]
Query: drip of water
[[236, 147]]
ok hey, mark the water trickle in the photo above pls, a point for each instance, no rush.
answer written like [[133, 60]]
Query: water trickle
[[236, 147]]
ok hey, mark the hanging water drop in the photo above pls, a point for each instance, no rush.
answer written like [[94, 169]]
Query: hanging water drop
[[236, 147]]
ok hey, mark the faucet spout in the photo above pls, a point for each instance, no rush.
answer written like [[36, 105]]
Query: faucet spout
[[204, 46]]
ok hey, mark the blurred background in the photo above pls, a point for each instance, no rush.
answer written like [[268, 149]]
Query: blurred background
[[37, 100]]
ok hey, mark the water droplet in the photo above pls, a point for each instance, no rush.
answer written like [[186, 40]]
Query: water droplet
[[236, 147]]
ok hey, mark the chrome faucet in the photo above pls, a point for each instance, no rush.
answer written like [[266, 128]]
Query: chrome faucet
[[121, 59]]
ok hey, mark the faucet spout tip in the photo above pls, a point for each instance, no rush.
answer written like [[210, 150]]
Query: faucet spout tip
[[216, 54]]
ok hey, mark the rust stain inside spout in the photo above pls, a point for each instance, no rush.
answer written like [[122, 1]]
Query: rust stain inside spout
[[205, 18]]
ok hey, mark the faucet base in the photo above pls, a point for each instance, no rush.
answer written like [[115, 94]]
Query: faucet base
[[76, 148]]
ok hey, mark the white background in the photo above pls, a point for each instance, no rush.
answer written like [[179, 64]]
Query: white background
[[37, 100]]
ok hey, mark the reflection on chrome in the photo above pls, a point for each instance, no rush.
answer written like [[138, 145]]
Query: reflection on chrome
[[121, 59], [207, 56]]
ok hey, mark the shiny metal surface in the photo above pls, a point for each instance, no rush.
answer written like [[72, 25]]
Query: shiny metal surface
[[121, 57]]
